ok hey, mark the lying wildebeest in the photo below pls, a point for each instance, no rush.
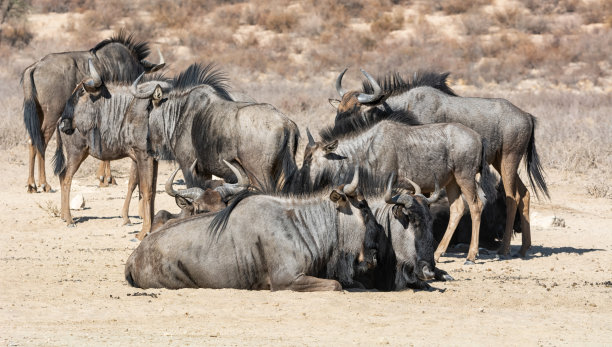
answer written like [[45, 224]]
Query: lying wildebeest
[[108, 123], [196, 200], [450, 154], [48, 83], [262, 242], [197, 117], [509, 132]]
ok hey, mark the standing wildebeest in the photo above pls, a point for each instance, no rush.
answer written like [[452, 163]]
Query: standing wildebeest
[[48, 83], [509, 132], [108, 123], [197, 118], [450, 154], [261, 242]]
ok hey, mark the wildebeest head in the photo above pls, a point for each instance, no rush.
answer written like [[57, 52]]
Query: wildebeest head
[[197, 200], [351, 202], [412, 211], [353, 102]]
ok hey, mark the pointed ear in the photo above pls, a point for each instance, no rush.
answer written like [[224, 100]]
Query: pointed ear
[[157, 93], [330, 147], [183, 203], [336, 196], [334, 103], [397, 211]]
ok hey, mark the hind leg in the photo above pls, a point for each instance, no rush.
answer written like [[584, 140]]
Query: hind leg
[[107, 173], [456, 211], [42, 176], [31, 163], [523, 209], [469, 190], [132, 183], [509, 166]]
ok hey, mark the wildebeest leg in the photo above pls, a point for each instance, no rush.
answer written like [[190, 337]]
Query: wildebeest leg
[[42, 176], [523, 207], [456, 212], [132, 183], [108, 175], [100, 174], [509, 166], [305, 283], [147, 177], [32, 157], [469, 190], [73, 163]]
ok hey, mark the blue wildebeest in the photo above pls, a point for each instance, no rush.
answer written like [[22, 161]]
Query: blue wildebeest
[[509, 132], [262, 242], [196, 200], [197, 118], [104, 120], [450, 154], [48, 83]]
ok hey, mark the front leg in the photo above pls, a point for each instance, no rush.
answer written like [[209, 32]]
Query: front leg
[[147, 177], [305, 283]]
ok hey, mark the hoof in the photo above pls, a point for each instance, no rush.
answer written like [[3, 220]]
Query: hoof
[[46, 188], [127, 223], [103, 184], [469, 262], [448, 277], [112, 181], [32, 189], [502, 256], [134, 240], [71, 225]]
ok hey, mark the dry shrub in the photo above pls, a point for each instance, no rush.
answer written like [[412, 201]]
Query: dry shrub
[[16, 33], [387, 22], [551, 6], [62, 6], [598, 189], [279, 20], [228, 16], [596, 11], [475, 23], [105, 14], [461, 6]]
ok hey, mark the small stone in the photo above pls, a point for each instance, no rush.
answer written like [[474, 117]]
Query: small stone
[[78, 202]]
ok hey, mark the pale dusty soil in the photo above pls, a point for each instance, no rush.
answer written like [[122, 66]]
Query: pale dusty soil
[[65, 286]]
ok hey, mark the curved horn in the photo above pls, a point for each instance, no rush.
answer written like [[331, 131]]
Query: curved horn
[[311, 141], [417, 188], [242, 181], [169, 190], [136, 93], [339, 88], [191, 193], [435, 195], [95, 77], [150, 67], [351, 187], [388, 192], [367, 98]]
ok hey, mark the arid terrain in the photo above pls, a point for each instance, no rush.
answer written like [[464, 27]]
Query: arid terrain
[[551, 58]]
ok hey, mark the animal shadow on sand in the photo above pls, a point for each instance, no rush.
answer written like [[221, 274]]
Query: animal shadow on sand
[[458, 252]]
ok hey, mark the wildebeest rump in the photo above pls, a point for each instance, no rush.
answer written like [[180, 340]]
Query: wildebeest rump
[[260, 242], [108, 123], [509, 132], [48, 83], [450, 154]]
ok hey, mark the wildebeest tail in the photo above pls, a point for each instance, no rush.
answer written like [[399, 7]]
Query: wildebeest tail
[[285, 167], [30, 110], [486, 185], [533, 164], [59, 160]]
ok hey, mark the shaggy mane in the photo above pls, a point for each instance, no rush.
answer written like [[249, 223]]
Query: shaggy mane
[[140, 49], [394, 84], [353, 126], [198, 74]]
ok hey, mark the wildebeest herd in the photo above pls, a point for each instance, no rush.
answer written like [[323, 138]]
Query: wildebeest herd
[[354, 214]]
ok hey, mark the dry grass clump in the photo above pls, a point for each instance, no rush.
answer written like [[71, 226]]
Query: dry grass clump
[[279, 20], [460, 6], [387, 22]]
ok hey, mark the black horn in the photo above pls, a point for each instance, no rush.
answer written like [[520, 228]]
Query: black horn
[[388, 191], [368, 98], [339, 88], [95, 81], [311, 141], [352, 187], [150, 67], [169, 189]]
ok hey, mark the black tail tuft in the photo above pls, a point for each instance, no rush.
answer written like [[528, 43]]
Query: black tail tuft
[[285, 167], [30, 111], [533, 165], [59, 160]]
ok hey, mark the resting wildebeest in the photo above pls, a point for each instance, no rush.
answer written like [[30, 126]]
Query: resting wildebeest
[[450, 154], [108, 123], [196, 200], [48, 83], [509, 132], [262, 242]]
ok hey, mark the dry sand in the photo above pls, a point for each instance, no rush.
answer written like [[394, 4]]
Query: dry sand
[[65, 286]]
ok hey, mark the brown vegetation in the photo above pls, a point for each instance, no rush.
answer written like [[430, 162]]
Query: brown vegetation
[[550, 57]]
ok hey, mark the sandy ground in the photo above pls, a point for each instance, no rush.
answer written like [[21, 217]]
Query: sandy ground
[[65, 286]]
